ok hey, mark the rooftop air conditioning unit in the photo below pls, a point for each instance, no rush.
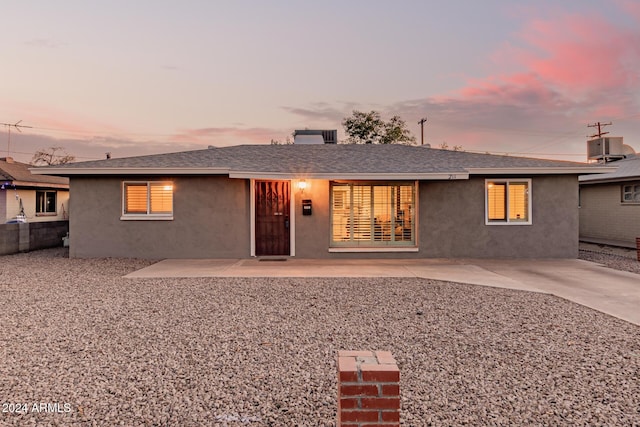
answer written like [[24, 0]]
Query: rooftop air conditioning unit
[[330, 136], [606, 148], [308, 136]]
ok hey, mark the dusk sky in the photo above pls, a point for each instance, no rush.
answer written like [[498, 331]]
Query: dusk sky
[[145, 77]]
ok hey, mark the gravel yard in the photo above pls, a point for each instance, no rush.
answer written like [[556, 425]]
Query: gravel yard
[[617, 258], [104, 350]]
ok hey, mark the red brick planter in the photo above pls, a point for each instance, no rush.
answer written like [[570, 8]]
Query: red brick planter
[[368, 389]]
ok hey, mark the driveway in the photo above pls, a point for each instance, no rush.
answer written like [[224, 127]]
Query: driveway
[[607, 290]]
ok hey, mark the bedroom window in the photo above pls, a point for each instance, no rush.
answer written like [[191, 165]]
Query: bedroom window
[[147, 200], [631, 193], [372, 215], [508, 201], [45, 202]]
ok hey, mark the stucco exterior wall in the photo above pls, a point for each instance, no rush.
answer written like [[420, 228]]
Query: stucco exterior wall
[[312, 231], [210, 220], [603, 217], [452, 221], [3, 206]]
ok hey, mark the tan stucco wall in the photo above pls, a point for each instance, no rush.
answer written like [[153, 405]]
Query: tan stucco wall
[[210, 220], [603, 217], [10, 205], [3, 206]]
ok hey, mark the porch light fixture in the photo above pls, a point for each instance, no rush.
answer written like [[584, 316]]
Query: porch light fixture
[[302, 185]]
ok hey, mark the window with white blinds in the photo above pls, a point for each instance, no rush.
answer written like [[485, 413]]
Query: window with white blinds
[[508, 201], [371, 215], [151, 199]]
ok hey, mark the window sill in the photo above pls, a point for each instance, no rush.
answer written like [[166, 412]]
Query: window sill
[[46, 214], [508, 223], [371, 250], [146, 218]]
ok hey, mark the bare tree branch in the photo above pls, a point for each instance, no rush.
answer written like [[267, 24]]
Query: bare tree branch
[[51, 156]]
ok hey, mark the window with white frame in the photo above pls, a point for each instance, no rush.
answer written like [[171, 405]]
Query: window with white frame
[[372, 214], [508, 201], [631, 193], [147, 200], [46, 202]]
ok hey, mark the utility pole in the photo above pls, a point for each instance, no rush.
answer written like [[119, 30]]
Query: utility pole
[[16, 125], [421, 123], [599, 126]]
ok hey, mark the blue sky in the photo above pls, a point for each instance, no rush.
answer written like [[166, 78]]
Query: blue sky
[[131, 78]]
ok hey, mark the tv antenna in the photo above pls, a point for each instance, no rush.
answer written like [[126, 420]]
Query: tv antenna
[[15, 125], [599, 126]]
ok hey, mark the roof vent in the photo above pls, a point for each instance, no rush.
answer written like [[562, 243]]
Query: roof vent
[[605, 149], [308, 136]]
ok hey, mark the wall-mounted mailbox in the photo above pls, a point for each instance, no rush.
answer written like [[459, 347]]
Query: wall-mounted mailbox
[[306, 207]]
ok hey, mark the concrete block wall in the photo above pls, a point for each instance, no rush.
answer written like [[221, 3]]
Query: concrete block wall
[[368, 389], [47, 234], [26, 237], [9, 238]]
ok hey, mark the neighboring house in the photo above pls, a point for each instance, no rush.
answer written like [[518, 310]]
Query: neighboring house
[[610, 204], [34, 198], [324, 201]]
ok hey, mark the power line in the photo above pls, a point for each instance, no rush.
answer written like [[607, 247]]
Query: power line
[[126, 135], [15, 125], [31, 153]]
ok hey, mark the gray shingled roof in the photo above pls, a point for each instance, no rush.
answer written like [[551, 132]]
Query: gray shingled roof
[[319, 159], [628, 169], [18, 173]]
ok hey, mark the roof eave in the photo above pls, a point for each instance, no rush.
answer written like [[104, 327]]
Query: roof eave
[[36, 184], [130, 171], [612, 180], [571, 170], [372, 176]]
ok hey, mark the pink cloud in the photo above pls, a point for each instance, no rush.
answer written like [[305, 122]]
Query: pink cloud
[[631, 7], [582, 53], [517, 89], [569, 62]]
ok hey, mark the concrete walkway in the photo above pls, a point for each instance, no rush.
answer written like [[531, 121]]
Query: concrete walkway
[[610, 291]]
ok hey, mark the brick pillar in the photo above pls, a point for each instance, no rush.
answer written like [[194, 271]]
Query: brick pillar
[[368, 389]]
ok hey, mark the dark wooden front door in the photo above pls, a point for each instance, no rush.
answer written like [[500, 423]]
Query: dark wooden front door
[[272, 217]]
